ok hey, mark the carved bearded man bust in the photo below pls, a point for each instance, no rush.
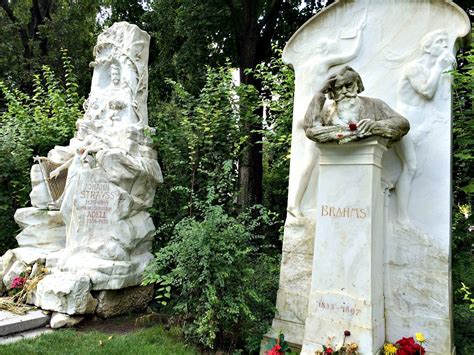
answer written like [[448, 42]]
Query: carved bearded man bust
[[337, 114]]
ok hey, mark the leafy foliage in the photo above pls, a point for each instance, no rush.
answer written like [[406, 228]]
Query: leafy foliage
[[32, 125], [208, 262], [200, 149], [203, 139], [277, 97], [463, 189], [222, 279]]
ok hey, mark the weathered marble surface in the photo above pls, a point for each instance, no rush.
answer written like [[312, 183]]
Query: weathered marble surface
[[295, 281], [89, 222], [383, 41]]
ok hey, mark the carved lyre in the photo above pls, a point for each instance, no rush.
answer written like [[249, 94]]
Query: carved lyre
[[55, 185]]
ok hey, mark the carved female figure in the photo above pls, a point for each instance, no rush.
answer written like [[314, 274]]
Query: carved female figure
[[416, 88]]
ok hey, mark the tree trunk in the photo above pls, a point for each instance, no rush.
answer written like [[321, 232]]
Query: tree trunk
[[39, 11], [250, 162]]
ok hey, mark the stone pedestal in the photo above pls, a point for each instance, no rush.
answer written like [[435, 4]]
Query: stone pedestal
[[347, 282]]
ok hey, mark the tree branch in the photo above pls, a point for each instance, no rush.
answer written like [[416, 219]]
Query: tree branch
[[268, 29], [271, 14], [22, 32], [8, 11]]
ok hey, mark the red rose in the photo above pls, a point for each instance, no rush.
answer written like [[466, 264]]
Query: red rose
[[406, 342], [346, 332], [275, 350], [353, 126], [408, 346], [418, 349], [328, 351]]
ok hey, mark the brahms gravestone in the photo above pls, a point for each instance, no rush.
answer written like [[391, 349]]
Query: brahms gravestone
[[403, 63], [346, 291]]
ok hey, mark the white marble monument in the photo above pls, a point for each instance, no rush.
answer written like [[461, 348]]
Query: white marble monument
[[402, 49], [89, 222], [352, 132]]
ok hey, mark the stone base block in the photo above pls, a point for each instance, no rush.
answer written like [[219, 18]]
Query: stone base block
[[65, 293], [299, 236], [59, 320], [434, 329], [117, 302], [295, 282], [293, 332], [291, 306], [105, 274]]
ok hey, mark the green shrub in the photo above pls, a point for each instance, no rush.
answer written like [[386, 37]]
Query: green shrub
[[31, 125], [220, 277]]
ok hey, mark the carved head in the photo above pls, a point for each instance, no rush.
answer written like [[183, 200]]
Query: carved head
[[346, 83], [324, 46], [83, 127], [115, 74], [435, 42]]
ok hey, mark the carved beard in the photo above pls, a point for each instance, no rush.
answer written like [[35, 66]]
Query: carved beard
[[348, 110]]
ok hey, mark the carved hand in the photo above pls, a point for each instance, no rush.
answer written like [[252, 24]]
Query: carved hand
[[446, 60], [84, 154], [54, 174], [366, 125]]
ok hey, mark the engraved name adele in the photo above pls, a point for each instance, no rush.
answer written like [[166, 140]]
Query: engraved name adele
[[97, 196], [340, 212]]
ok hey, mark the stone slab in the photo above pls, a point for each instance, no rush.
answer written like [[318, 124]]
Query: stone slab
[[29, 334], [11, 323]]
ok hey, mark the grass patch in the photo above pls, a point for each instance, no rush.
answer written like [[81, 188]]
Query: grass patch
[[154, 340]]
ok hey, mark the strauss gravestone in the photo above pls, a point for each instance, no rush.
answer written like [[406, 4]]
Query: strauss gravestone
[[382, 247], [89, 222]]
